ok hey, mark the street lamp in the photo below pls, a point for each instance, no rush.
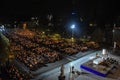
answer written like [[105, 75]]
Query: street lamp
[[73, 27]]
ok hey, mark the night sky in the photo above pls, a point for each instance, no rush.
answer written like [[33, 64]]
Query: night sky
[[95, 9]]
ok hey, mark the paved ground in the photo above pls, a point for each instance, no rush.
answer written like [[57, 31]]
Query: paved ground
[[52, 71], [54, 65], [53, 74], [66, 60]]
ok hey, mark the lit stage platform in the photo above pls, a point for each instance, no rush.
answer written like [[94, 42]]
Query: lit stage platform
[[98, 69]]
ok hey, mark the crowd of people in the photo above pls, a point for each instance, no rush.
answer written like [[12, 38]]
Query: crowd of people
[[15, 73], [11, 72], [35, 51]]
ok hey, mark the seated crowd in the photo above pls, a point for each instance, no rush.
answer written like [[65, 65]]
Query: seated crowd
[[11, 72], [35, 51]]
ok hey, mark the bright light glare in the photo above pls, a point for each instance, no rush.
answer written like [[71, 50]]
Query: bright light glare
[[104, 51], [73, 26]]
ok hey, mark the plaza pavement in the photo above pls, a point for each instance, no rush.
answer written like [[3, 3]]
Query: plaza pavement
[[52, 70], [54, 73], [51, 66], [75, 60], [65, 60]]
